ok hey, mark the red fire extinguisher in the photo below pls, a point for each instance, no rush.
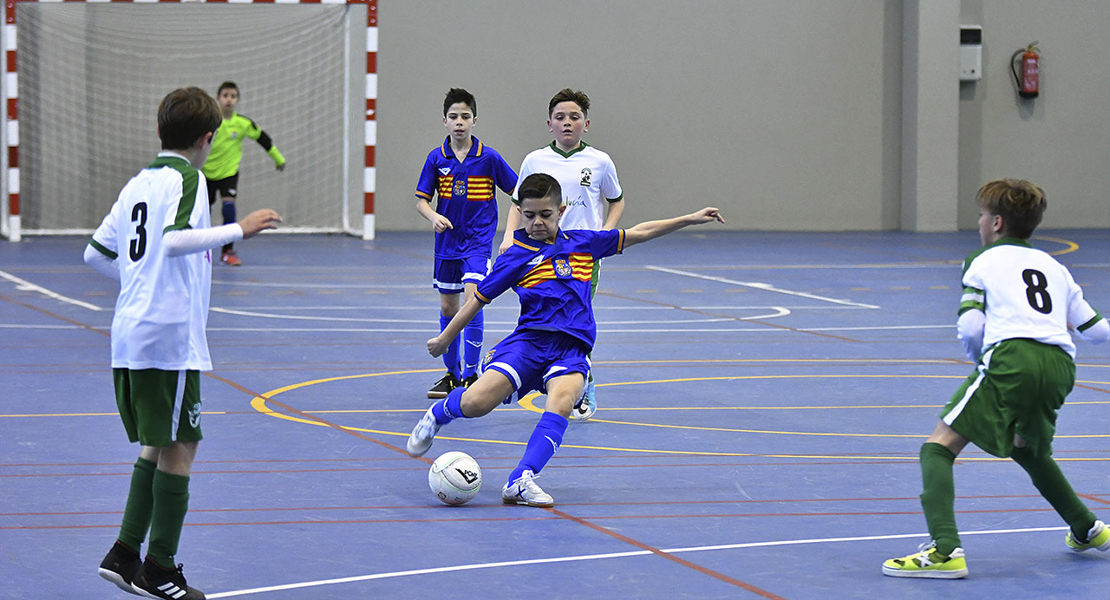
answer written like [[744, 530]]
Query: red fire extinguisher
[[1028, 80]]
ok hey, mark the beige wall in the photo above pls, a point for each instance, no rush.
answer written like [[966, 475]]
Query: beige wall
[[1060, 140], [787, 114], [784, 114]]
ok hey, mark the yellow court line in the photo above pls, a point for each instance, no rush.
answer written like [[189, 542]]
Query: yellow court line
[[1070, 246], [109, 414], [528, 403]]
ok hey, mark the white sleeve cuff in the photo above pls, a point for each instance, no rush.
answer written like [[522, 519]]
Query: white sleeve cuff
[[1097, 333], [970, 329], [99, 261]]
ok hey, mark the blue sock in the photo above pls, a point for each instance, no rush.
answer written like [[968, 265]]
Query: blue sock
[[451, 357], [546, 439], [472, 351], [449, 408], [229, 212]]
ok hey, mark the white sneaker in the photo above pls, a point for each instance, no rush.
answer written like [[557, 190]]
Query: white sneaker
[[525, 491], [586, 405], [422, 435]]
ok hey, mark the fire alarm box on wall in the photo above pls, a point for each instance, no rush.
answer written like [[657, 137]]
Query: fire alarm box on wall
[[971, 52]]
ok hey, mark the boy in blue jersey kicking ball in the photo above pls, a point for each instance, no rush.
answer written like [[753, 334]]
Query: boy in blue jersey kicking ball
[[464, 173], [1018, 308], [550, 270]]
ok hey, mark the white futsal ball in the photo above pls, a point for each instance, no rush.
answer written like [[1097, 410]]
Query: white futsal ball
[[455, 478]]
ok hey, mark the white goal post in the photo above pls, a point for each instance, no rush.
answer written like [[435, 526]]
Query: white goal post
[[83, 79]]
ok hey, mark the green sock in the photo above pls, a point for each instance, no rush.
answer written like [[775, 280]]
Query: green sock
[[1052, 484], [939, 496], [171, 502], [140, 501]]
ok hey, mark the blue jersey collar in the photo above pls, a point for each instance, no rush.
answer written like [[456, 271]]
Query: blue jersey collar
[[475, 148]]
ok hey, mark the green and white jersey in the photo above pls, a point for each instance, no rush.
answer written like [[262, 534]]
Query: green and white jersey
[[162, 309], [587, 175], [1024, 293]]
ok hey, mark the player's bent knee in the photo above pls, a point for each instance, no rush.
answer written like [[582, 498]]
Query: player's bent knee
[[486, 394]]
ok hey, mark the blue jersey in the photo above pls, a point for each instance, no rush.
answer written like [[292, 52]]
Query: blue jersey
[[466, 197], [553, 280]]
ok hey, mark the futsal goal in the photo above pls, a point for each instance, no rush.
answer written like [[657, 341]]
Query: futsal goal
[[83, 81]]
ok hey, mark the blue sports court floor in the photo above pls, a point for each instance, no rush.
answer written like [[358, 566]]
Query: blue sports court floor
[[762, 400]]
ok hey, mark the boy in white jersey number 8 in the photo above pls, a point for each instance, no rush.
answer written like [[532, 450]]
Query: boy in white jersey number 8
[[1018, 306]]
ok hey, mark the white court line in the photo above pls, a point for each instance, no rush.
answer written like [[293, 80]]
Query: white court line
[[514, 309], [26, 286], [761, 286], [778, 312], [880, 328], [564, 559], [357, 286], [429, 329]]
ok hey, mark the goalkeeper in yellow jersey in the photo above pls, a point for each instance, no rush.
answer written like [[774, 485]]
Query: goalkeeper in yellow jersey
[[222, 167]]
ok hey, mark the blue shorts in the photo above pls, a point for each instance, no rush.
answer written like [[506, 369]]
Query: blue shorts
[[451, 274], [529, 357]]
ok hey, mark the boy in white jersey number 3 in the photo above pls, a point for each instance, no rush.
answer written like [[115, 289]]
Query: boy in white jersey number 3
[[1018, 306], [156, 241]]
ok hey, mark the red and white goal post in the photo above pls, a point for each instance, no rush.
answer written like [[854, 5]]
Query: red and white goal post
[[83, 78]]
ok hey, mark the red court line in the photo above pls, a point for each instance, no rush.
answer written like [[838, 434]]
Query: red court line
[[559, 515], [791, 501], [671, 557]]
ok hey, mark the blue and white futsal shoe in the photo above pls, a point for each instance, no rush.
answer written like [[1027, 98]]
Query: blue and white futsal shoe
[[422, 435], [586, 405], [525, 491]]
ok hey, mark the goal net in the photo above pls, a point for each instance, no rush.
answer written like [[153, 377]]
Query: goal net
[[91, 76]]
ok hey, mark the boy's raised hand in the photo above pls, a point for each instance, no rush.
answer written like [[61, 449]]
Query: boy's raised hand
[[706, 215], [259, 220]]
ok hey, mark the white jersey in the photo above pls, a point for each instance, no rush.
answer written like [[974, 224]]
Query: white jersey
[[162, 309], [1024, 293], [587, 175]]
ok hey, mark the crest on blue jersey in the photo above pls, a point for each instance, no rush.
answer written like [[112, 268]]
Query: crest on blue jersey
[[458, 190], [485, 361], [562, 267], [587, 177]]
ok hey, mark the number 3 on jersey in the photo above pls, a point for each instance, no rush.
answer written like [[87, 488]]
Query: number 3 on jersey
[[1037, 290], [137, 248]]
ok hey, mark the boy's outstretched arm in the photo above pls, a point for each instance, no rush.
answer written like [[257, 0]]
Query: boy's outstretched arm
[[650, 230], [438, 345]]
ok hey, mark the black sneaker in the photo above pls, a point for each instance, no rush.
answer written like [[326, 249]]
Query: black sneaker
[[444, 386], [469, 381], [152, 581], [120, 566]]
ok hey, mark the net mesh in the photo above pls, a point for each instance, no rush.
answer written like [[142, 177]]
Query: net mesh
[[91, 77]]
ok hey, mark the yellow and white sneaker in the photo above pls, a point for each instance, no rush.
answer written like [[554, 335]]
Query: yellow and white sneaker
[[1098, 538], [928, 563]]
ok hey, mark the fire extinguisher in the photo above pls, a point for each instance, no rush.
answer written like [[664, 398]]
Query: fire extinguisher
[[1028, 81]]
